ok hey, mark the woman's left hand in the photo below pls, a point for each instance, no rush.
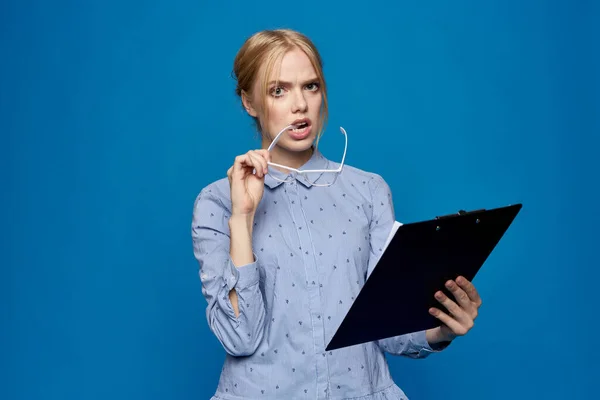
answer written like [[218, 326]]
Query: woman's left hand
[[459, 315]]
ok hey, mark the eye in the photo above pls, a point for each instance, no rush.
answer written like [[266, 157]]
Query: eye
[[313, 87], [276, 91]]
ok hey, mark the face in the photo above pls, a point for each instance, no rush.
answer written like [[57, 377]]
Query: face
[[292, 97]]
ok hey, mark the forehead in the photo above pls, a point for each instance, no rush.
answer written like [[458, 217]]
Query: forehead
[[295, 66]]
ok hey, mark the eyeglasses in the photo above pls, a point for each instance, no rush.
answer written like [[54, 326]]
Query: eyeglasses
[[326, 177]]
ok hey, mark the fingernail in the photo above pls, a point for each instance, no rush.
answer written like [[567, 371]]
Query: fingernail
[[438, 295], [449, 284]]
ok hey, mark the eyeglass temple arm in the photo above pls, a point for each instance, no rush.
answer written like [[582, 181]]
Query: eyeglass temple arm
[[277, 137], [345, 146]]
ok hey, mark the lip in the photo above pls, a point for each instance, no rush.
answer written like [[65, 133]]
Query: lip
[[302, 134], [301, 120]]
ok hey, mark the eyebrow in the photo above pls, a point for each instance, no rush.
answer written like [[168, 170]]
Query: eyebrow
[[284, 83]]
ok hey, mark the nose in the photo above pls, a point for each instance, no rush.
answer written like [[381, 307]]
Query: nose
[[300, 104]]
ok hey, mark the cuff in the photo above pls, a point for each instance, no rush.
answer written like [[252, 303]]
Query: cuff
[[243, 276], [421, 344]]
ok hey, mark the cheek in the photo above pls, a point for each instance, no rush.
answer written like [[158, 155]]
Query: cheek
[[315, 103], [278, 112]]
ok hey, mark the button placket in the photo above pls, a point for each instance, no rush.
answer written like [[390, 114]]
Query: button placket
[[312, 286]]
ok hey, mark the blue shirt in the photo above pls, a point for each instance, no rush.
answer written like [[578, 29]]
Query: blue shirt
[[314, 247]]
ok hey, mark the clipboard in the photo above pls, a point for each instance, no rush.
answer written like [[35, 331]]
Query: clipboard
[[418, 260]]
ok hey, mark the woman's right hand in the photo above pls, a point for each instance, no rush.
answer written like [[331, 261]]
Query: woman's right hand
[[246, 187]]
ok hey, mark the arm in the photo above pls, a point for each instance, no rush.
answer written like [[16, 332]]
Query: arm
[[413, 345], [240, 251], [229, 275]]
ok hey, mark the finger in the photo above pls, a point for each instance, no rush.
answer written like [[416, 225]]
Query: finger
[[258, 158], [451, 306], [258, 163], [456, 327], [239, 167], [470, 290], [265, 154], [460, 295], [243, 162]]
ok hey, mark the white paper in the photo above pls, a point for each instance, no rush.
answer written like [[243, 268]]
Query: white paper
[[392, 233]]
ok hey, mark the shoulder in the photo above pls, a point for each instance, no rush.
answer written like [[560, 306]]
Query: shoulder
[[373, 189], [372, 182], [214, 195], [357, 173]]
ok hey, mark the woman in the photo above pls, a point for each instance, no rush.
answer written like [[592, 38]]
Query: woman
[[283, 254]]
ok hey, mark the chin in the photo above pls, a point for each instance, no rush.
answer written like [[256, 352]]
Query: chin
[[299, 145]]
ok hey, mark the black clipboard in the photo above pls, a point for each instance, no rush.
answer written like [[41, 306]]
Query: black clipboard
[[417, 262]]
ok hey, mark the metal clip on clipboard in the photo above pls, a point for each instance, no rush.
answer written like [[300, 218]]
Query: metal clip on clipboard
[[460, 213]]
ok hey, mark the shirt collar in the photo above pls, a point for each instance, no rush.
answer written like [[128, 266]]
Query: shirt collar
[[316, 161]]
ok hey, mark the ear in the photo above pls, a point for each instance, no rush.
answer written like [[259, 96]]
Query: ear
[[248, 105]]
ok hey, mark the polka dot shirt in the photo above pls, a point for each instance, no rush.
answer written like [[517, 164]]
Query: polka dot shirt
[[313, 247]]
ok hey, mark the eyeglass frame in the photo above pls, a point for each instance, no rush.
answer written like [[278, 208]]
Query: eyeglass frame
[[307, 171]]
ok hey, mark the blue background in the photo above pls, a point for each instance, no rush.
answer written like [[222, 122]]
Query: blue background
[[113, 116]]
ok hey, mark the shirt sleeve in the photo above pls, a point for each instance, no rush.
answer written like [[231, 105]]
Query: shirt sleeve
[[413, 345], [241, 335]]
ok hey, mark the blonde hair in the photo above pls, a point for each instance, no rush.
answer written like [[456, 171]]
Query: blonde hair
[[268, 47]]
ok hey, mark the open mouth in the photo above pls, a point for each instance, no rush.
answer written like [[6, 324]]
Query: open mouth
[[300, 127]]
